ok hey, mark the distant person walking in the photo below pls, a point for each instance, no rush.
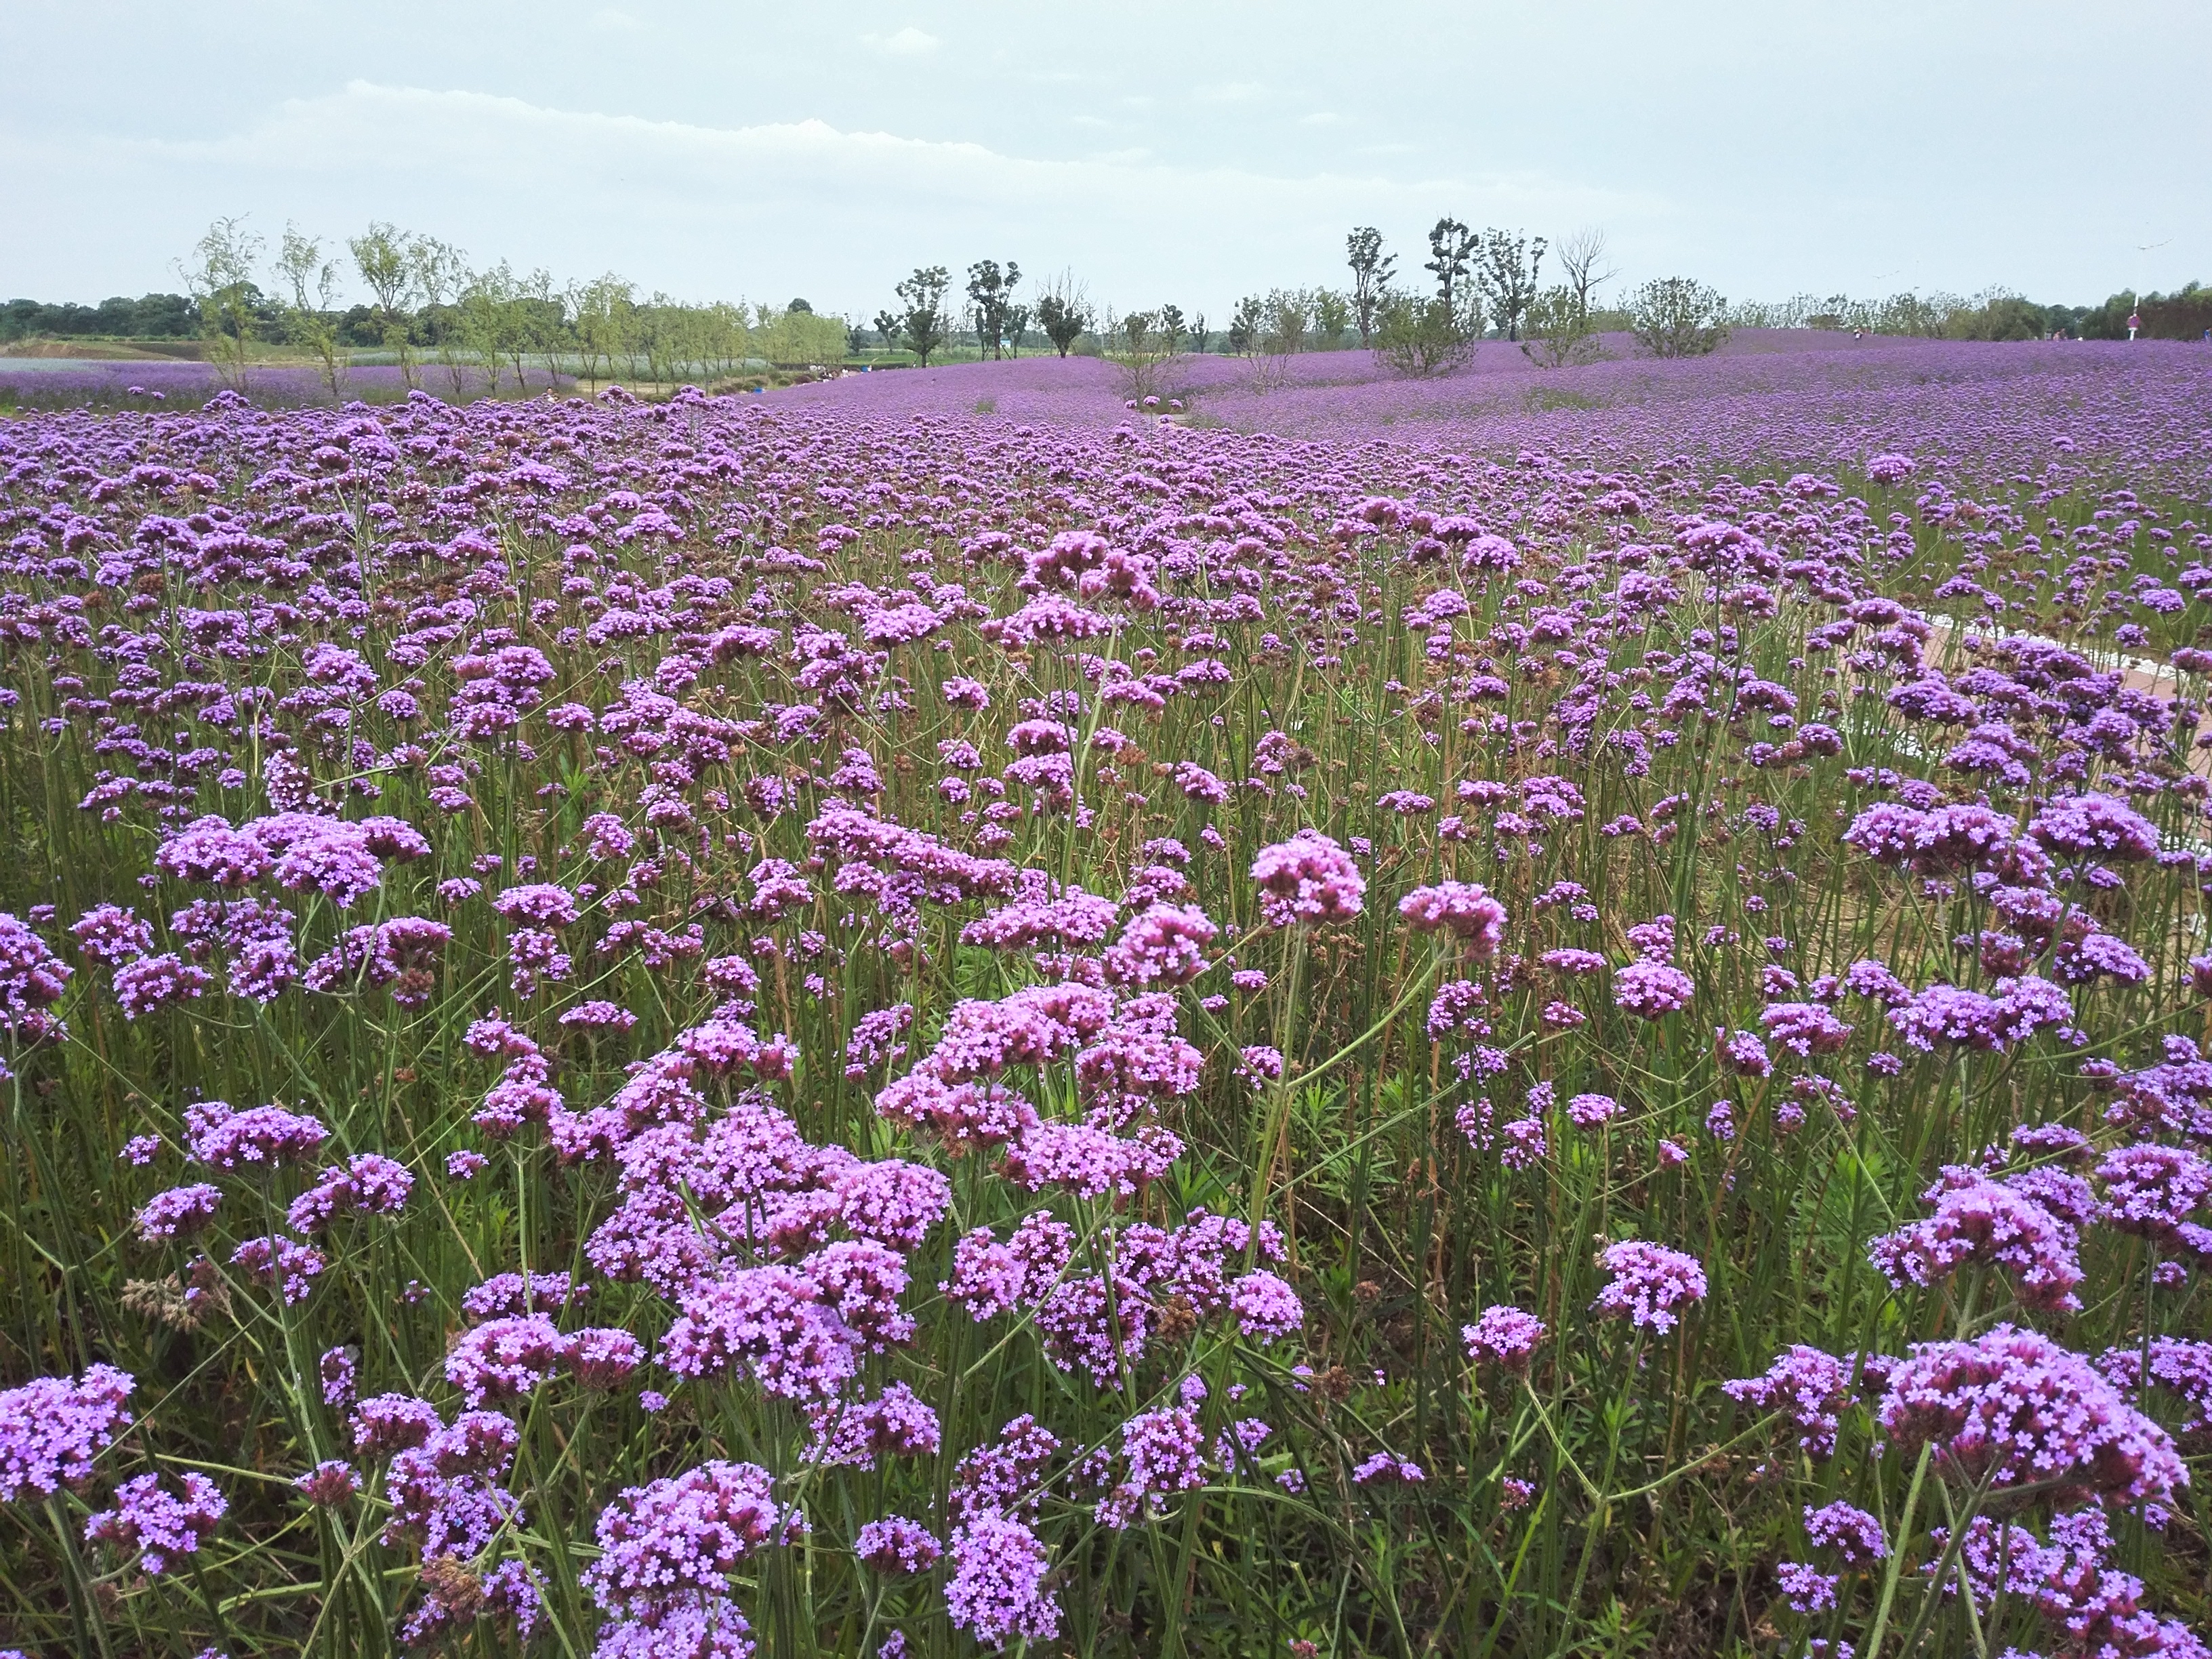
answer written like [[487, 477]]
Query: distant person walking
[[2135, 322]]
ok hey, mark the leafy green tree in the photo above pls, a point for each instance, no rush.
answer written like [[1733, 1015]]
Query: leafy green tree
[[440, 273], [887, 329], [922, 319], [1677, 317], [1559, 331], [1508, 275], [1198, 335], [601, 311], [311, 283], [1173, 326], [1245, 323], [1372, 272], [1452, 248], [219, 275], [1017, 327], [1063, 312], [800, 307], [990, 291], [380, 258], [1419, 337], [1332, 315]]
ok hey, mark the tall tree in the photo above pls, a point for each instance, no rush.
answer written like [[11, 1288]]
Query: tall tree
[[1018, 328], [922, 319], [442, 273], [1508, 275], [1244, 324], [1063, 312], [311, 285], [1582, 256], [1372, 272], [379, 257], [219, 275], [990, 291], [1451, 255]]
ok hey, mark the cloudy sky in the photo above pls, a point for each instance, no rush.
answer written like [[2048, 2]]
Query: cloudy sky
[[1187, 152]]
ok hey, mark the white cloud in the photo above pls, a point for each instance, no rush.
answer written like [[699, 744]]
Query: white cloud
[[708, 211], [909, 42], [1321, 118], [1232, 92]]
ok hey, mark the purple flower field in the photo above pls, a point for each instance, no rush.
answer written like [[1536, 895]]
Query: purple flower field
[[61, 383], [1525, 1014]]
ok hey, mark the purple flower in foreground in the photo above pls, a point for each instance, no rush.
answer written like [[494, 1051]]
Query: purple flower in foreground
[[1806, 1588], [1308, 878], [51, 1428], [681, 1536], [1980, 1220], [1852, 1534], [1463, 909], [896, 1544], [1652, 989], [2152, 1191], [2015, 1407], [330, 1484], [1390, 1469], [1504, 1336], [149, 1523], [180, 1212], [708, 1628], [1814, 1388], [997, 1591], [1265, 1307], [1647, 1283]]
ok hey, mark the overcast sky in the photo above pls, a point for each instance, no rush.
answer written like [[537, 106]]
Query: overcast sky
[[1189, 152]]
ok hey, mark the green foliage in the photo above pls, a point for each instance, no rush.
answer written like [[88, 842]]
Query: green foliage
[[1507, 275], [1676, 316], [1560, 331], [219, 275], [1371, 270], [1063, 312], [150, 317], [923, 324], [310, 320], [1419, 337], [990, 296]]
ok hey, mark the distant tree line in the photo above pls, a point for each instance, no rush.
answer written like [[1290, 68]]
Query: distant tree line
[[149, 317], [434, 312], [1996, 315]]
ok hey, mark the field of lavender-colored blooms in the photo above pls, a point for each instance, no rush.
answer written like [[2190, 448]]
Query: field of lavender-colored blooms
[[1520, 1015]]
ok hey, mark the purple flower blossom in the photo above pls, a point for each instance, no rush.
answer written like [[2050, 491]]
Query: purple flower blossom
[[1980, 1220], [2013, 1407], [180, 1212], [770, 1319], [997, 1591], [896, 1544], [154, 1526], [1503, 1336], [1265, 1307], [51, 1428], [1308, 878], [1852, 1534], [1814, 1388], [1652, 989], [679, 1539], [1462, 909], [330, 1484], [1647, 1283]]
